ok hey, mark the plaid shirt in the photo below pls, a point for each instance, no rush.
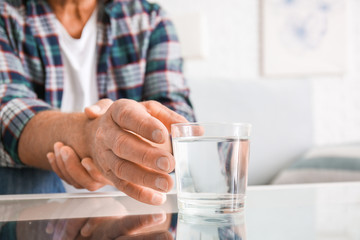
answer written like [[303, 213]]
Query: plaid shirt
[[138, 58]]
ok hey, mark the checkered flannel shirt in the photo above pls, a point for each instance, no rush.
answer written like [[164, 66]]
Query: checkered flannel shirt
[[138, 58]]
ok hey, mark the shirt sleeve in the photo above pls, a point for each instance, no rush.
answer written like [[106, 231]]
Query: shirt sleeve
[[164, 79], [18, 101]]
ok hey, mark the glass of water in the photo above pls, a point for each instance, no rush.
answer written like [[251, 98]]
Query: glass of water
[[211, 166]]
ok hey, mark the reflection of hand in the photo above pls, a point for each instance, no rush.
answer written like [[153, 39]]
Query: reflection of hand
[[70, 223], [118, 149], [60, 209], [106, 227]]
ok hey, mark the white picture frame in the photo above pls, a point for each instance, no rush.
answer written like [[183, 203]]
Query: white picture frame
[[303, 37]]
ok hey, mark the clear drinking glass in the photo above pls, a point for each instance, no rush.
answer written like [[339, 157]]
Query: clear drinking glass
[[211, 166]]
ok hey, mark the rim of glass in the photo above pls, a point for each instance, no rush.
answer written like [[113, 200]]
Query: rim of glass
[[237, 124]]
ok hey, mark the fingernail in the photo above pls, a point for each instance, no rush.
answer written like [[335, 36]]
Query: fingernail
[[163, 163], [158, 217], [87, 166], [162, 184], [50, 159], [158, 198], [49, 228], [95, 108], [56, 150], [64, 154], [157, 135], [85, 230]]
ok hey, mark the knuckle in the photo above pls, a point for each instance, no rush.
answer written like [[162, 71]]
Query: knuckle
[[153, 103], [106, 101], [120, 168], [124, 114], [141, 128], [148, 180], [143, 221], [155, 107], [120, 141], [146, 156], [140, 194], [124, 101], [123, 186], [108, 173], [144, 179], [99, 135]]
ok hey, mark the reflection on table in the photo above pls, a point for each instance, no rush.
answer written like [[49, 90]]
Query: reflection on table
[[296, 212], [215, 227], [110, 217], [153, 226]]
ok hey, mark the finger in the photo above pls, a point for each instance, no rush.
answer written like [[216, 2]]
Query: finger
[[61, 165], [163, 113], [72, 228], [98, 108], [130, 147], [59, 229], [52, 161], [132, 223], [77, 171], [131, 115], [94, 173], [138, 175], [142, 194], [92, 224], [50, 226]]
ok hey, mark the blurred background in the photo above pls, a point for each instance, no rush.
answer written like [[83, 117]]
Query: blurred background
[[289, 67]]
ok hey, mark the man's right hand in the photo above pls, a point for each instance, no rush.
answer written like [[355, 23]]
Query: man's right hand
[[118, 149]]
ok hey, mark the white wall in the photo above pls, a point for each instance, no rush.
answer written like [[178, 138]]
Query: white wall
[[337, 100], [308, 111], [233, 37]]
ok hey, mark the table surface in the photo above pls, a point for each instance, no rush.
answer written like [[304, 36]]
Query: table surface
[[310, 211]]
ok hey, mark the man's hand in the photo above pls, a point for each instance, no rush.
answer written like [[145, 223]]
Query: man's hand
[[118, 149], [83, 173], [126, 144], [80, 173]]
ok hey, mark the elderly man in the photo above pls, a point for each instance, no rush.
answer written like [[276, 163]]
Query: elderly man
[[66, 55]]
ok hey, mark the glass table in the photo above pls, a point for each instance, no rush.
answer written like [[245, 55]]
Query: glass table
[[309, 211]]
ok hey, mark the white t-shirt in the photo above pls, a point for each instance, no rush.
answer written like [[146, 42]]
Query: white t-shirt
[[80, 61], [80, 85]]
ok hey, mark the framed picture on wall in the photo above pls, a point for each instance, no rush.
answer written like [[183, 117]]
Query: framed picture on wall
[[303, 37]]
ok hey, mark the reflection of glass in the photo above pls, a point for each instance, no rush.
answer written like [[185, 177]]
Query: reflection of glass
[[211, 166], [214, 227]]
